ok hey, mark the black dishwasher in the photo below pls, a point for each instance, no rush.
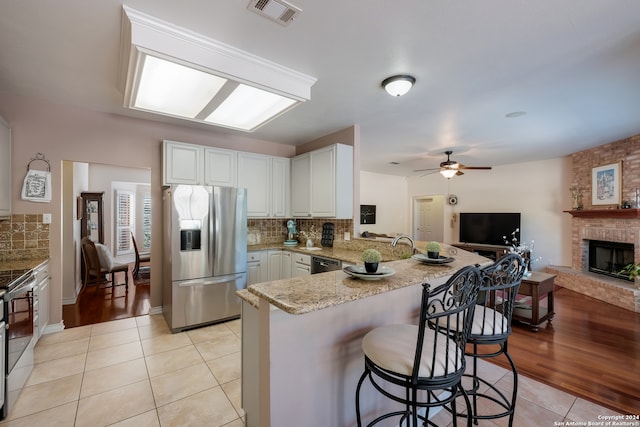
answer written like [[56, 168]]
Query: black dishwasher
[[321, 265]]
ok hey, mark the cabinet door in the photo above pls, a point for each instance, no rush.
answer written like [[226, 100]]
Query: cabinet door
[[301, 270], [285, 266], [275, 265], [220, 167], [301, 185], [256, 267], [254, 173], [43, 299], [280, 167], [5, 170], [253, 272], [182, 163], [323, 182]]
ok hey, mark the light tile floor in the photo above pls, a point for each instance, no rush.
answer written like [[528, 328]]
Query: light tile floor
[[135, 372]]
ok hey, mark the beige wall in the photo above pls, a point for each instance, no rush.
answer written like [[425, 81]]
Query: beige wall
[[539, 190], [65, 133]]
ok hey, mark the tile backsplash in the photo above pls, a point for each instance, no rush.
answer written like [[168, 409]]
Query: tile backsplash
[[275, 230], [24, 236]]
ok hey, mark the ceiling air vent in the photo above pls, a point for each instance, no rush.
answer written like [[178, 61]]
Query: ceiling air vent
[[276, 10]]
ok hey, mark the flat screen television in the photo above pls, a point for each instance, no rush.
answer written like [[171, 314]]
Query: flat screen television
[[488, 228]]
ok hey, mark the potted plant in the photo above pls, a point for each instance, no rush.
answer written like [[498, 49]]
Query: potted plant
[[633, 270], [433, 250], [371, 258]]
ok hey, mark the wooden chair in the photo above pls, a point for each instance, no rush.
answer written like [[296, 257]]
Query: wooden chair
[[140, 257], [93, 266]]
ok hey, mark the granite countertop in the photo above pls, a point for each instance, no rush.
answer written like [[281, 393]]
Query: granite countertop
[[21, 264], [305, 294], [343, 254]]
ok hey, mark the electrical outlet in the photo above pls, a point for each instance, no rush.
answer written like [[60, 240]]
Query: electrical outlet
[[46, 218]]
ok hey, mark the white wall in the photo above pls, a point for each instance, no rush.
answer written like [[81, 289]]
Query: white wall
[[101, 178], [539, 190], [389, 194]]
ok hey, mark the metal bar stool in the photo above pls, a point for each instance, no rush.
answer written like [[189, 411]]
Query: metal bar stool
[[426, 361], [492, 326]]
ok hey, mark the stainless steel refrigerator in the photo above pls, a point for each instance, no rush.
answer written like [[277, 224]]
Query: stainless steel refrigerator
[[205, 254]]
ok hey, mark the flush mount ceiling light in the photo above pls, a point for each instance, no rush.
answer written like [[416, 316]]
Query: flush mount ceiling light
[[398, 85], [174, 72]]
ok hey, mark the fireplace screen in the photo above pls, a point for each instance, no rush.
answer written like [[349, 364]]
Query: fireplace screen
[[609, 258]]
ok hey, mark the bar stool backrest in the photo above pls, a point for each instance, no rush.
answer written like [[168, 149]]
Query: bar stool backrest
[[497, 298]]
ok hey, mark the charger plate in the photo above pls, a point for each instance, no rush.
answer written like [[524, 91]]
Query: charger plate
[[358, 271]]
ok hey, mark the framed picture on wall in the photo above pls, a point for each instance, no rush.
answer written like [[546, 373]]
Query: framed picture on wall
[[606, 184], [367, 214]]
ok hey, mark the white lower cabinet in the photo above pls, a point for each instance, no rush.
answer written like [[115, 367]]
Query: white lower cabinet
[[279, 265], [257, 267], [300, 265], [41, 301]]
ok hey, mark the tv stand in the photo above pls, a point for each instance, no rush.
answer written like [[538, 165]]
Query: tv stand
[[489, 251]]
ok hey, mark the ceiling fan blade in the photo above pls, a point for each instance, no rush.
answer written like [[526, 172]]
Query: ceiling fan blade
[[474, 167], [428, 169], [459, 173]]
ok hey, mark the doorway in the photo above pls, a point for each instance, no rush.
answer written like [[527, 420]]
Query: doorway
[[125, 190], [428, 218]]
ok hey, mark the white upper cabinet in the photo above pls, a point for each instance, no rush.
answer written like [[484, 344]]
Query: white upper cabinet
[[220, 167], [266, 179], [280, 186], [198, 165], [254, 171], [301, 185], [182, 163], [328, 182], [5, 170]]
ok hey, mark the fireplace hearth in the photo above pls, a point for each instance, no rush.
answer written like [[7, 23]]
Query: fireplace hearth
[[609, 258]]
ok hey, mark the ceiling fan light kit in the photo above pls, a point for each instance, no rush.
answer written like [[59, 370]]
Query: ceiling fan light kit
[[448, 173], [398, 85], [449, 168]]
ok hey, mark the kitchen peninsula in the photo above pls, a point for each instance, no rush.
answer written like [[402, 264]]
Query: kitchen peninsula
[[301, 339]]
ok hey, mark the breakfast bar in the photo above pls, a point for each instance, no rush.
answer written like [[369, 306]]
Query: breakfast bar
[[301, 339]]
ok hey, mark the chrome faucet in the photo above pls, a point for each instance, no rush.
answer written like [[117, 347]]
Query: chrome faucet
[[404, 236]]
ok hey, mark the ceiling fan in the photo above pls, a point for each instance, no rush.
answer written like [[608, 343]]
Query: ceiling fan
[[449, 168]]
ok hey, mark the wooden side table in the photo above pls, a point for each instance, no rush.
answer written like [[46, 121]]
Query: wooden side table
[[536, 286]]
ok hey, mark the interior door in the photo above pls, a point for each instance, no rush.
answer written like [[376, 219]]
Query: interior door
[[428, 218]]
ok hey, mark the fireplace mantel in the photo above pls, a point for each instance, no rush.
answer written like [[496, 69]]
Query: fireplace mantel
[[605, 213]]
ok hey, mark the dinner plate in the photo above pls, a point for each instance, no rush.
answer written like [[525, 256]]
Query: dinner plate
[[360, 272], [425, 259]]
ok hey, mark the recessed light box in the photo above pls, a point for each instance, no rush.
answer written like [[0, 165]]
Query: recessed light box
[[172, 71]]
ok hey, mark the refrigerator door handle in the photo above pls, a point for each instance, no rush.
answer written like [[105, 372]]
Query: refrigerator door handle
[[210, 281]]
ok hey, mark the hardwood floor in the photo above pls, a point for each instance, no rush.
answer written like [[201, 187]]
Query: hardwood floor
[[591, 349], [104, 304]]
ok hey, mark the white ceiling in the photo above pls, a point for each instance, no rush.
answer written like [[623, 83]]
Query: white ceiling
[[573, 66]]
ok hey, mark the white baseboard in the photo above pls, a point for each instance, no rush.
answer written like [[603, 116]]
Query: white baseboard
[[55, 327], [155, 310]]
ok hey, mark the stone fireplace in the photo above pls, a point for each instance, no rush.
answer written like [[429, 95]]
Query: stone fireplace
[[619, 228], [603, 223]]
